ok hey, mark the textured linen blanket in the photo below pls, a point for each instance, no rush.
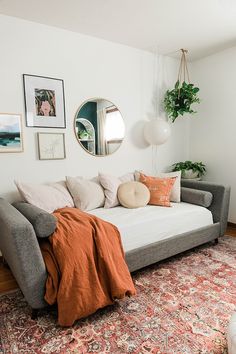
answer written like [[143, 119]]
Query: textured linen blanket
[[86, 267]]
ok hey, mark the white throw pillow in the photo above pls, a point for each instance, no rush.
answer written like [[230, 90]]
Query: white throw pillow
[[87, 194], [110, 184], [48, 197], [176, 189]]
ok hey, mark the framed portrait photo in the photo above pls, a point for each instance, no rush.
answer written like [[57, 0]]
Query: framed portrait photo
[[11, 138], [44, 102], [51, 146]]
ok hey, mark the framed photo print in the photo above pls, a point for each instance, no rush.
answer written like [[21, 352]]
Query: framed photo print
[[11, 139], [51, 146], [44, 102]]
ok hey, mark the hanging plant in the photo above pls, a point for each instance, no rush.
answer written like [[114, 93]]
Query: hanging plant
[[179, 100]]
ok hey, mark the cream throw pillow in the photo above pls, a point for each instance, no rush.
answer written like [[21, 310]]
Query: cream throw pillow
[[133, 194], [110, 184], [87, 194], [176, 189], [47, 197]]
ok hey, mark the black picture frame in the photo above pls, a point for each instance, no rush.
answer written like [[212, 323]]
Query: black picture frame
[[44, 102]]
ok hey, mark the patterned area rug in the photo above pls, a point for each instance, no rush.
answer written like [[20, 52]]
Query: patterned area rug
[[183, 305]]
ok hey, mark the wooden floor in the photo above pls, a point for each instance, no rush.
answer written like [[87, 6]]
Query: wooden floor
[[7, 281], [231, 231]]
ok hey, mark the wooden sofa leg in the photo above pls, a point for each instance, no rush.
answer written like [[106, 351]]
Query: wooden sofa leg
[[216, 241], [34, 314]]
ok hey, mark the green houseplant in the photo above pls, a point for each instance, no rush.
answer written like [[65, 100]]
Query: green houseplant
[[179, 100], [83, 134], [190, 169]]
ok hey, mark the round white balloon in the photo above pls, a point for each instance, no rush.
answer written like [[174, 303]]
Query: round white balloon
[[157, 131]]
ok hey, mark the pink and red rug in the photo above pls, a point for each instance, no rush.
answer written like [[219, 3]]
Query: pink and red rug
[[183, 305]]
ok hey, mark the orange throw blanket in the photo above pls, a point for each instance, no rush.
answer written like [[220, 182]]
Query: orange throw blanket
[[86, 267]]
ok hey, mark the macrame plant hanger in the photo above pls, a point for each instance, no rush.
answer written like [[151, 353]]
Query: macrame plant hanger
[[179, 100], [183, 67]]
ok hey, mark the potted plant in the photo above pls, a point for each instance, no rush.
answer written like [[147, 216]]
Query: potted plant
[[179, 101], [190, 169], [83, 134]]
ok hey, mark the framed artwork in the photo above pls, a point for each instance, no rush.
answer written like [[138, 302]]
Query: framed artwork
[[44, 102], [11, 139], [51, 146]]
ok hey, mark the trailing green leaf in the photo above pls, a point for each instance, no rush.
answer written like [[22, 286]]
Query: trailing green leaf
[[189, 165], [179, 100]]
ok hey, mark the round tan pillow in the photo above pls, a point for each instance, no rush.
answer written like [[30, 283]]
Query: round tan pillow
[[133, 194]]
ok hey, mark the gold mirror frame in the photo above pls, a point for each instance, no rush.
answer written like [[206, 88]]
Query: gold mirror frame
[[91, 139]]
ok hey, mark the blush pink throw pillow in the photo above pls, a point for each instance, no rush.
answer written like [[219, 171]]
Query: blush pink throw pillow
[[47, 197], [110, 184]]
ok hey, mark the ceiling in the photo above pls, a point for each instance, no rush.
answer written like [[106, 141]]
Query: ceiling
[[164, 26]]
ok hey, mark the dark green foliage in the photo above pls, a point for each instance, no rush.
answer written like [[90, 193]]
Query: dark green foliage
[[83, 134], [189, 165], [179, 100], [41, 96]]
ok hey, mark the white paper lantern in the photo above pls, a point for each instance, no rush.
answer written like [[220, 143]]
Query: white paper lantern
[[157, 131]]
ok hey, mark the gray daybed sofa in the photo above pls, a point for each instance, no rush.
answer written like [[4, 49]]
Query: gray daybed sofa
[[20, 248]]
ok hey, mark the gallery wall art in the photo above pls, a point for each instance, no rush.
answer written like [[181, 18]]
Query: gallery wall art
[[44, 102], [51, 146], [11, 138]]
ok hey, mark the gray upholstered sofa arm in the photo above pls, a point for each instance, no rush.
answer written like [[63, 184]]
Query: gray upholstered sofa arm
[[220, 203], [196, 196], [20, 248]]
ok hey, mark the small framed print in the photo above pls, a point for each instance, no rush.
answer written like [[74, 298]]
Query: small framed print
[[11, 138], [51, 146], [44, 102]]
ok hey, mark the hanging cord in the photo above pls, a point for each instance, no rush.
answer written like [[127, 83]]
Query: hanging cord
[[156, 164], [180, 69], [184, 51], [157, 108], [156, 83], [154, 160], [183, 67]]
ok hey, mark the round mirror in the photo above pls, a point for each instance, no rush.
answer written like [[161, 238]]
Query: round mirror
[[99, 127]]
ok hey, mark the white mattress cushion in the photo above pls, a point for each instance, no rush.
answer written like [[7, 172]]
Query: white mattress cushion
[[149, 224]]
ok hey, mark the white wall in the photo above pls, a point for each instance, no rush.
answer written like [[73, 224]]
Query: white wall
[[90, 67], [213, 129]]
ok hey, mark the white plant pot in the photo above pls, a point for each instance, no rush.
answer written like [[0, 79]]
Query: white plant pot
[[189, 174]]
